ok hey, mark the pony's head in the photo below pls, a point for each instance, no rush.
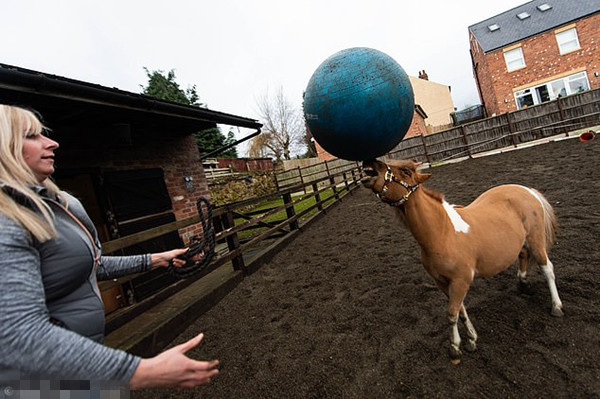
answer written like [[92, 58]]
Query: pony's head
[[394, 181]]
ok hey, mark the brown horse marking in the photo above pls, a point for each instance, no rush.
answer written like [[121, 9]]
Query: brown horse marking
[[505, 224]]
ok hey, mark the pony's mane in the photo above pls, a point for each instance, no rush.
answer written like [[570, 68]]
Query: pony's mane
[[433, 194]]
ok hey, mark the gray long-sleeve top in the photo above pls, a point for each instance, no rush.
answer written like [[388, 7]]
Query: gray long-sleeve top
[[56, 279]]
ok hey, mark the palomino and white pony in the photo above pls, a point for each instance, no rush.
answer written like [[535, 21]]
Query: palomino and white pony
[[504, 224]]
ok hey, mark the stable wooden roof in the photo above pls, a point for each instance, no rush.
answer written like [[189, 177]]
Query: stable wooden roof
[[64, 102]]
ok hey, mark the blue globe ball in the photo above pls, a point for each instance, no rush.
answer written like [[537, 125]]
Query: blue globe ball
[[359, 104]]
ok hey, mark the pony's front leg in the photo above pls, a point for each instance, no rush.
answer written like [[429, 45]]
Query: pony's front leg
[[456, 294], [455, 353], [471, 333]]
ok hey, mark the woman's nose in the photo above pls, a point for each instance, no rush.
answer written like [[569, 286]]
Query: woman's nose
[[50, 143]]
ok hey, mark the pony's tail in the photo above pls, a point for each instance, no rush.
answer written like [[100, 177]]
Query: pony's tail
[[550, 221]]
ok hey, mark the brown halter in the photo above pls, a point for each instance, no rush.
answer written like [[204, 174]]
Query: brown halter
[[390, 178]]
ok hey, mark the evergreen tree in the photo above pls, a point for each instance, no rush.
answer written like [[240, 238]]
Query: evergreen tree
[[165, 87]]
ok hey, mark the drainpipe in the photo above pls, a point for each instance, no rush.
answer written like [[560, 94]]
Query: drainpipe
[[475, 70], [228, 146]]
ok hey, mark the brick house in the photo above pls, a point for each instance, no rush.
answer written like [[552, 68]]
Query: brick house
[[418, 125], [131, 159], [435, 100], [536, 52]]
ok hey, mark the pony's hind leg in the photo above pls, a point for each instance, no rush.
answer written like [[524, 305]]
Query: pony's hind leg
[[471, 345], [548, 270], [524, 285]]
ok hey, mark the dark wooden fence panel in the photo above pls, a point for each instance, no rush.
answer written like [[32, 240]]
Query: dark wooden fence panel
[[446, 144], [309, 174], [562, 115], [324, 186], [411, 148]]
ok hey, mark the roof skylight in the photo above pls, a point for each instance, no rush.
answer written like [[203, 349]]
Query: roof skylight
[[523, 15], [494, 27], [544, 7]]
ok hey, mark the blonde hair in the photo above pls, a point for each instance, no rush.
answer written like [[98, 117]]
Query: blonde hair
[[16, 124]]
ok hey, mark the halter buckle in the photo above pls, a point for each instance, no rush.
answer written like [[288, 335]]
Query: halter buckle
[[390, 178]]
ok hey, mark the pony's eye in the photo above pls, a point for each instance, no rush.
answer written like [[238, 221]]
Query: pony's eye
[[405, 171]]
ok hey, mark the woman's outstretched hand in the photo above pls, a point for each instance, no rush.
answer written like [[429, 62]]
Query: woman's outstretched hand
[[162, 259], [172, 368]]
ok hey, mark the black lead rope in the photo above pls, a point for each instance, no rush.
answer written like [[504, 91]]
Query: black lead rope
[[197, 245]]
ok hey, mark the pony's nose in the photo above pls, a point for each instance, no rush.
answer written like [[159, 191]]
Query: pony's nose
[[368, 168]]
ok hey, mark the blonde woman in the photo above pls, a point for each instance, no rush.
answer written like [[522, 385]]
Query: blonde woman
[[51, 313]]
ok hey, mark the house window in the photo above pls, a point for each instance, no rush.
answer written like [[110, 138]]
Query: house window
[[572, 84], [567, 41], [578, 83], [514, 59], [524, 98]]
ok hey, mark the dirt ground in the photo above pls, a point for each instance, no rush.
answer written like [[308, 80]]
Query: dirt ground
[[347, 310]]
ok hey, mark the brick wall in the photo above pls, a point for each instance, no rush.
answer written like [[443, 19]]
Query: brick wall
[[322, 155], [176, 155], [246, 164], [417, 126], [543, 63]]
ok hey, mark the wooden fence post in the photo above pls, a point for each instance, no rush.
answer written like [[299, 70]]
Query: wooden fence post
[[561, 114], [287, 199], [464, 134], [315, 188], [276, 181], [346, 181], [233, 241], [425, 149], [511, 129], [332, 181], [301, 178]]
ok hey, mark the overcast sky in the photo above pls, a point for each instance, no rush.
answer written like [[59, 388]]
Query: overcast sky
[[234, 51]]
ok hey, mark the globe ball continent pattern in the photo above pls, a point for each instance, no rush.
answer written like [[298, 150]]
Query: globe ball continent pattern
[[359, 104]]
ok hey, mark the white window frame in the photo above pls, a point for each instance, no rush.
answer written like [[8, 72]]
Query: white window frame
[[569, 85], [514, 59], [567, 40]]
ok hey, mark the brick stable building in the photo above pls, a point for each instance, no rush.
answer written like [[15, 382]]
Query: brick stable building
[[131, 159], [536, 52]]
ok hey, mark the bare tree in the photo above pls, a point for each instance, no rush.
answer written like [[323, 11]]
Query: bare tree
[[258, 146], [283, 127]]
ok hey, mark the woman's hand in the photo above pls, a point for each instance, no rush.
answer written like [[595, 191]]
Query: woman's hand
[[162, 259], [173, 368]]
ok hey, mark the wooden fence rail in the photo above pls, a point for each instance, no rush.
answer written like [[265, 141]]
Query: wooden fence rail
[[308, 174], [548, 119], [241, 231]]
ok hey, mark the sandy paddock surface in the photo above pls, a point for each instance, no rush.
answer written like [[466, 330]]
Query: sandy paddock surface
[[347, 310]]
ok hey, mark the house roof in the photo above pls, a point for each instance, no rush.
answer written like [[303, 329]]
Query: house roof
[[420, 111], [512, 29], [67, 102]]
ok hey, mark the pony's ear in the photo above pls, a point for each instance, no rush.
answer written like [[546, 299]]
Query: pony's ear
[[422, 177]]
